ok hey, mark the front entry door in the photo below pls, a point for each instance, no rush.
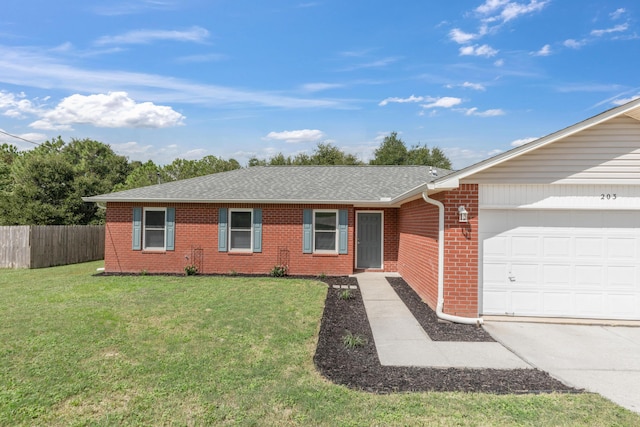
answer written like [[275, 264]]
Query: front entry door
[[369, 240]]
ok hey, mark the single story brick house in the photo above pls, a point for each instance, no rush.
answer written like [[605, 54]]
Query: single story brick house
[[548, 229]]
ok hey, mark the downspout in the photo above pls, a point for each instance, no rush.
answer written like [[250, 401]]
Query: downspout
[[440, 304]]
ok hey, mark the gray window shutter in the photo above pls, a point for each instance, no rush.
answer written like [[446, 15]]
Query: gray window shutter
[[222, 230], [170, 227], [307, 231], [137, 229], [257, 230], [343, 231]]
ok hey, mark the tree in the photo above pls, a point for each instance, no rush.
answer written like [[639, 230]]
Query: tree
[[323, 154], [143, 174], [48, 182], [393, 151]]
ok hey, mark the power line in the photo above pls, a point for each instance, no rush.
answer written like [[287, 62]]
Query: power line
[[19, 137]]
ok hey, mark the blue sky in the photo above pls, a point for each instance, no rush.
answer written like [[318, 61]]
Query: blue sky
[[160, 79]]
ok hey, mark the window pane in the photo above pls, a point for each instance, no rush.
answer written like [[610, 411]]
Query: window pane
[[326, 241], [154, 219], [154, 238], [326, 221], [240, 219], [240, 239]]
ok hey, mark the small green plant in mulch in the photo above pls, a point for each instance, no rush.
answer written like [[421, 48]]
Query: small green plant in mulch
[[322, 276], [143, 272], [351, 341], [278, 271], [345, 294], [191, 270], [233, 273]]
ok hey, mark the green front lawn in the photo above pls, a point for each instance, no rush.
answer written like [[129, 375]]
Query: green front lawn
[[78, 349]]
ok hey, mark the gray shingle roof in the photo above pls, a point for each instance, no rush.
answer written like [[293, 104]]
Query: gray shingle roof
[[287, 184]]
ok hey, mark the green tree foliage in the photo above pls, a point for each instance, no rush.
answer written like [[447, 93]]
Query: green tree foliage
[[149, 173], [8, 153], [323, 154], [47, 183], [393, 151]]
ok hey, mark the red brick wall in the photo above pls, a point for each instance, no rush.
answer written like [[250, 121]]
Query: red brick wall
[[196, 226], [461, 253], [418, 250]]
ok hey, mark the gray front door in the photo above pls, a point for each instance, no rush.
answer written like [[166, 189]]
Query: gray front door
[[369, 240]]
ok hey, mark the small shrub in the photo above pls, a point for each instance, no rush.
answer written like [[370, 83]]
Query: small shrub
[[351, 341], [233, 273], [191, 270], [279, 271], [322, 276], [346, 294], [143, 272]]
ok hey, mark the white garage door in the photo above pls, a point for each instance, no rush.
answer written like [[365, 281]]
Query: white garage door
[[560, 263]]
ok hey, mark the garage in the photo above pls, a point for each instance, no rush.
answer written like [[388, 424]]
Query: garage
[[579, 263]]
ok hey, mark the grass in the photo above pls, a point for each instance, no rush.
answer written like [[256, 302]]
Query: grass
[[76, 349]]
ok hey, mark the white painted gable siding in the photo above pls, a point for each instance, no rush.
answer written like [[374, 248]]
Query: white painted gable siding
[[608, 153]]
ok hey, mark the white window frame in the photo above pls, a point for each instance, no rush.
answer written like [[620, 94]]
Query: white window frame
[[336, 231], [231, 230], [144, 230]]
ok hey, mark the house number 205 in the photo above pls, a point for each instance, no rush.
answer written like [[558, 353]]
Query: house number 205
[[608, 196]]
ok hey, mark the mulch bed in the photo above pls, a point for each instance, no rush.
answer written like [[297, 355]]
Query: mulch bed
[[359, 368]]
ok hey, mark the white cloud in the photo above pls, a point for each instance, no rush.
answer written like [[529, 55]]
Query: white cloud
[[617, 29], [113, 110], [207, 57], [296, 136], [379, 63], [444, 102], [459, 36], [522, 141], [487, 113], [499, 63], [36, 68], [474, 86], [194, 34], [20, 143], [412, 98], [475, 50], [618, 13], [318, 87], [490, 6], [621, 101], [574, 44], [16, 105], [506, 10], [544, 51], [513, 10]]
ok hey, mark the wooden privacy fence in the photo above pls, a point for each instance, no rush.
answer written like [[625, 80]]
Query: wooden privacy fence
[[38, 246]]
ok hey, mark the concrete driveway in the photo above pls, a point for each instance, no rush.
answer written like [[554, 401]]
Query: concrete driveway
[[601, 359]]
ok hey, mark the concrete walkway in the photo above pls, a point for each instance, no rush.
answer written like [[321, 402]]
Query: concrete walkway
[[601, 359], [401, 341]]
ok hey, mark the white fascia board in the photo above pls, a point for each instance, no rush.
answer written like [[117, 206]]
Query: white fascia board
[[541, 142]]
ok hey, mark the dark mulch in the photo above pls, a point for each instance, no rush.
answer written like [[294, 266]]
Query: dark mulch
[[360, 368], [435, 328]]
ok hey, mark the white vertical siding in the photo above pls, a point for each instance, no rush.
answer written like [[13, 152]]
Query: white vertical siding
[[546, 196], [608, 153]]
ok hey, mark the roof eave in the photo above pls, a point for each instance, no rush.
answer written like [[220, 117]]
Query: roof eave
[[363, 203]]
